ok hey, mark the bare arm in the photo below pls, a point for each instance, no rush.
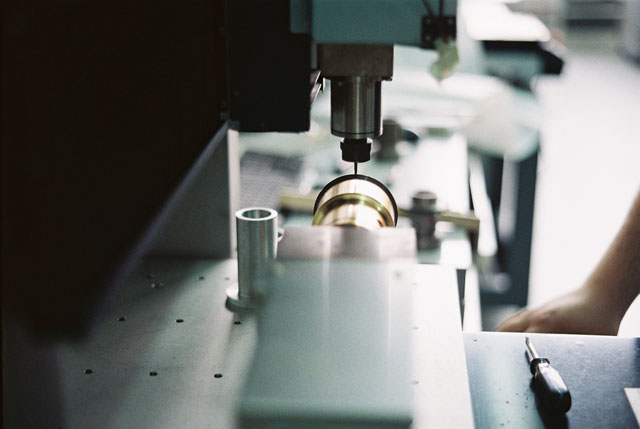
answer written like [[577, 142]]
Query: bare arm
[[599, 305]]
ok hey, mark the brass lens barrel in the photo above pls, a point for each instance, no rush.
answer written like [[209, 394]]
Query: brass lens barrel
[[356, 201]]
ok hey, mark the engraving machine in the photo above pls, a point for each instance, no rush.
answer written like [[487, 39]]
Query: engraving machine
[[349, 43], [336, 306], [153, 344]]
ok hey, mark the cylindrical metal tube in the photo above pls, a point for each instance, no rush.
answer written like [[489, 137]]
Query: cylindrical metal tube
[[424, 207], [257, 234], [356, 107], [356, 201], [391, 135]]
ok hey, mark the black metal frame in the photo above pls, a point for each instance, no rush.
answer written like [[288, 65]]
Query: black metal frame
[[270, 82], [514, 254]]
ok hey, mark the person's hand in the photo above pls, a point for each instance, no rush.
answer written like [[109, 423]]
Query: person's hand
[[578, 312]]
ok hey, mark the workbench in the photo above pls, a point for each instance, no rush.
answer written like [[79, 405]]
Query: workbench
[[596, 369]]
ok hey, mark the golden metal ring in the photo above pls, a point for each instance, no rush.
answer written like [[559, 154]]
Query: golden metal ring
[[357, 201]]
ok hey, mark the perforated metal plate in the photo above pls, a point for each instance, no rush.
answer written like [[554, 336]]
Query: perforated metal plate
[[169, 354]]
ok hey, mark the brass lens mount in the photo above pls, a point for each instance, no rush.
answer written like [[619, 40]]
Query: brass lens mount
[[355, 200]]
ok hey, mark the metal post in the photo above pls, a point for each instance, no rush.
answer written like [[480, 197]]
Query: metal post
[[257, 233]]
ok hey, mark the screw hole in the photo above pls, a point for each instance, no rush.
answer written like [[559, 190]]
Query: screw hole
[[218, 375], [88, 371], [179, 320], [201, 278], [237, 322], [153, 373], [121, 319]]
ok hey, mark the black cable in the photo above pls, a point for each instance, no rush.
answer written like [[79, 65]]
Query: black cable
[[435, 18]]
